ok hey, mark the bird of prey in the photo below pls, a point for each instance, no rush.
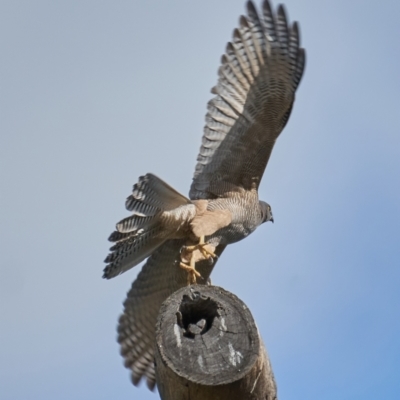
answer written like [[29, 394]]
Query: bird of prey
[[183, 237]]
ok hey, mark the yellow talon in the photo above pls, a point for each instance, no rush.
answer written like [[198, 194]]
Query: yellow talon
[[202, 247], [192, 273], [191, 254]]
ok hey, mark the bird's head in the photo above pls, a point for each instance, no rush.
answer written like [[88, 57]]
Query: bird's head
[[266, 212]]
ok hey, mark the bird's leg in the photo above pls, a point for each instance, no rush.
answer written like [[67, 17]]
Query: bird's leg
[[191, 270], [203, 249], [192, 254]]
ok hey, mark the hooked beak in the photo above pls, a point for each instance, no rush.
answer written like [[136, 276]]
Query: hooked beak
[[271, 218]]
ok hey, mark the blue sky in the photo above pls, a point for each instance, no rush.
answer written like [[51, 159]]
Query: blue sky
[[94, 94]]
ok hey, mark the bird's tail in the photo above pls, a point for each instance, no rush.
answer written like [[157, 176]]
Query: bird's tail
[[138, 235]]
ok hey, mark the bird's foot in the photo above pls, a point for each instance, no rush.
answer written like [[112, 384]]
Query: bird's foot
[[205, 249], [190, 255], [192, 273]]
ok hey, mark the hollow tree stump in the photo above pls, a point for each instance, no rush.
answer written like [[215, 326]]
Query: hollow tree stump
[[208, 347]]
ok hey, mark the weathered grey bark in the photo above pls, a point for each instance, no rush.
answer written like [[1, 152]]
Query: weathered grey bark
[[208, 347]]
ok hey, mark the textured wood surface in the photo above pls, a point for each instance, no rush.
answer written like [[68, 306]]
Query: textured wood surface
[[208, 347]]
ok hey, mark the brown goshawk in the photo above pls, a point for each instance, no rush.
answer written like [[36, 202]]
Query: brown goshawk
[[183, 237]]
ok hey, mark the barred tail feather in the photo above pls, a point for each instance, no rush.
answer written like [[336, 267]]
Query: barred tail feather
[[151, 194], [132, 250], [138, 235]]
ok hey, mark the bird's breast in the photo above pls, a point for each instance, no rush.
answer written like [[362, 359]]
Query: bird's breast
[[246, 217]]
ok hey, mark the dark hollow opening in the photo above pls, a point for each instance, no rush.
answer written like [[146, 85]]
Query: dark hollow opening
[[196, 315]]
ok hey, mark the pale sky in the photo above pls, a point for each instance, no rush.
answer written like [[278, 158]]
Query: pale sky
[[94, 94]]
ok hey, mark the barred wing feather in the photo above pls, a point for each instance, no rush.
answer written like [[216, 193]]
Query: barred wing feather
[[258, 77]]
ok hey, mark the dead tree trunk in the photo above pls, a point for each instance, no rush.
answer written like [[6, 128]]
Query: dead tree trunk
[[208, 347]]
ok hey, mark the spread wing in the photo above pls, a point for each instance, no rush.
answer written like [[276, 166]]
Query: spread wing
[[159, 278], [260, 72]]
